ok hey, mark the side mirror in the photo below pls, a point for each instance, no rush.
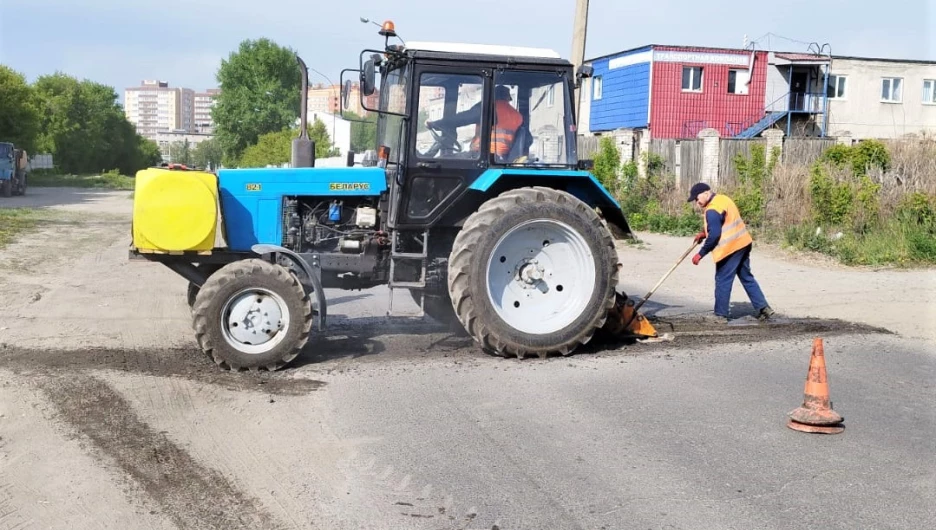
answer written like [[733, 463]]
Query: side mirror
[[586, 70], [346, 94], [368, 77]]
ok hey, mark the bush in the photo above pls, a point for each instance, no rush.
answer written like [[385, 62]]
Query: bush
[[866, 155], [831, 198], [754, 175], [869, 204], [918, 209], [607, 161]]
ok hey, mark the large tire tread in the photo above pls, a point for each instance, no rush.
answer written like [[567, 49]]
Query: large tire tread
[[479, 226], [208, 303]]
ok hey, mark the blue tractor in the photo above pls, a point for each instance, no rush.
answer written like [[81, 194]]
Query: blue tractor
[[513, 242], [13, 168]]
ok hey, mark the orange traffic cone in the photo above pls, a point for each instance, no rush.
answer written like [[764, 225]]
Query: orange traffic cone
[[816, 414]]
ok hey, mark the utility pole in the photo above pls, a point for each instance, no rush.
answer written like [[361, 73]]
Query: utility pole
[[578, 44]]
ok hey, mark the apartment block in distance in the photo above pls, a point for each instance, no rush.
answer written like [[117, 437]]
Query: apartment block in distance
[[327, 98], [204, 101], [154, 107]]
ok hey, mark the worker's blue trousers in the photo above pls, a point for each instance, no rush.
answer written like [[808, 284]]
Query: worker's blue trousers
[[736, 264]]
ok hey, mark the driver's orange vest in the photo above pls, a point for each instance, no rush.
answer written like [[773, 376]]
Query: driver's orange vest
[[734, 234], [507, 122]]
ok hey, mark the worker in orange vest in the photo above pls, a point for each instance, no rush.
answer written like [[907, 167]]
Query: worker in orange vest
[[727, 239], [506, 122]]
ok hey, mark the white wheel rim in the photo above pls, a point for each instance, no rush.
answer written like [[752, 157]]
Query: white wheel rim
[[254, 320], [540, 276]]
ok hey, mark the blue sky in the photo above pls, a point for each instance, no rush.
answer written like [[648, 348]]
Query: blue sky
[[120, 42]]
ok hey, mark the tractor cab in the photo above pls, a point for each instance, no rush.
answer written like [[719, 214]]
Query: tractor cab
[[448, 113]]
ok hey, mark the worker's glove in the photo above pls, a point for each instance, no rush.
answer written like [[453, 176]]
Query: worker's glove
[[700, 237], [696, 259]]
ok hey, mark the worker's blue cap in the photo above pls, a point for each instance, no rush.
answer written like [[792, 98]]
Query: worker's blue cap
[[697, 189]]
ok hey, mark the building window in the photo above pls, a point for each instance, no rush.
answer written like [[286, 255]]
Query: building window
[[836, 87], [738, 81], [551, 96], [891, 90], [929, 91], [596, 88], [692, 78]]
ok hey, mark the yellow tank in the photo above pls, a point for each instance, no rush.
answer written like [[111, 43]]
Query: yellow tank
[[174, 211]]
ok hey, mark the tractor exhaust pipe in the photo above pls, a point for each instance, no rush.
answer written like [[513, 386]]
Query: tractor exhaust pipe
[[303, 148]]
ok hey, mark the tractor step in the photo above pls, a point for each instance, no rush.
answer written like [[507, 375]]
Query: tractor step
[[408, 285], [395, 256]]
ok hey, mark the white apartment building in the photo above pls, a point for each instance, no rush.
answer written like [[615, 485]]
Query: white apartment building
[[204, 101], [154, 107], [881, 98]]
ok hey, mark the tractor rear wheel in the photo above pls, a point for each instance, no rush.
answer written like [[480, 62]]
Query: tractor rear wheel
[[252, 314], [533, 271]]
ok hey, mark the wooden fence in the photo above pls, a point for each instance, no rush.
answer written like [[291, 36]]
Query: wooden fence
[[728, 149], [690, 162], [666, 150], [587, 146], [804, 151], [683, 157]]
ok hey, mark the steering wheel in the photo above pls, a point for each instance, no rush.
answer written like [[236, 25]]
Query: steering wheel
[[441, 142]]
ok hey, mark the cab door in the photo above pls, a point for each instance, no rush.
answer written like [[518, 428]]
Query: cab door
[[442, 163]]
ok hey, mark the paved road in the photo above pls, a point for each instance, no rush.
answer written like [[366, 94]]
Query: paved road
[[109, 418]]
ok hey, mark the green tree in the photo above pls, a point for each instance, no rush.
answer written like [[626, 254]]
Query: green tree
[[181, 153], [150, 155], [85, 129], [276, 148], [260, 85], [207, 154], [363, 133], [19, 119], [323, 143]]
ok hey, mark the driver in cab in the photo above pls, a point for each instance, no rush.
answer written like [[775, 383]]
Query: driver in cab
[[507, 121]]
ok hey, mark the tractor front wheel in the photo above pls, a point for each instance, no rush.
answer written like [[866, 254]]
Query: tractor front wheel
[[252, 314], [533, 271]]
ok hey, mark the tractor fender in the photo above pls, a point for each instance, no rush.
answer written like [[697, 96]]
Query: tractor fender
[[581, 184], [319, 304]]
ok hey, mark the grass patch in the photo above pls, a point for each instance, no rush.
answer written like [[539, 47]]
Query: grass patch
[[110, 180], [14, 222]]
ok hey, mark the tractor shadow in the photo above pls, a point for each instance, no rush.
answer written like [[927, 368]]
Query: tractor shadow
[[373, 338], [350, 338]]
